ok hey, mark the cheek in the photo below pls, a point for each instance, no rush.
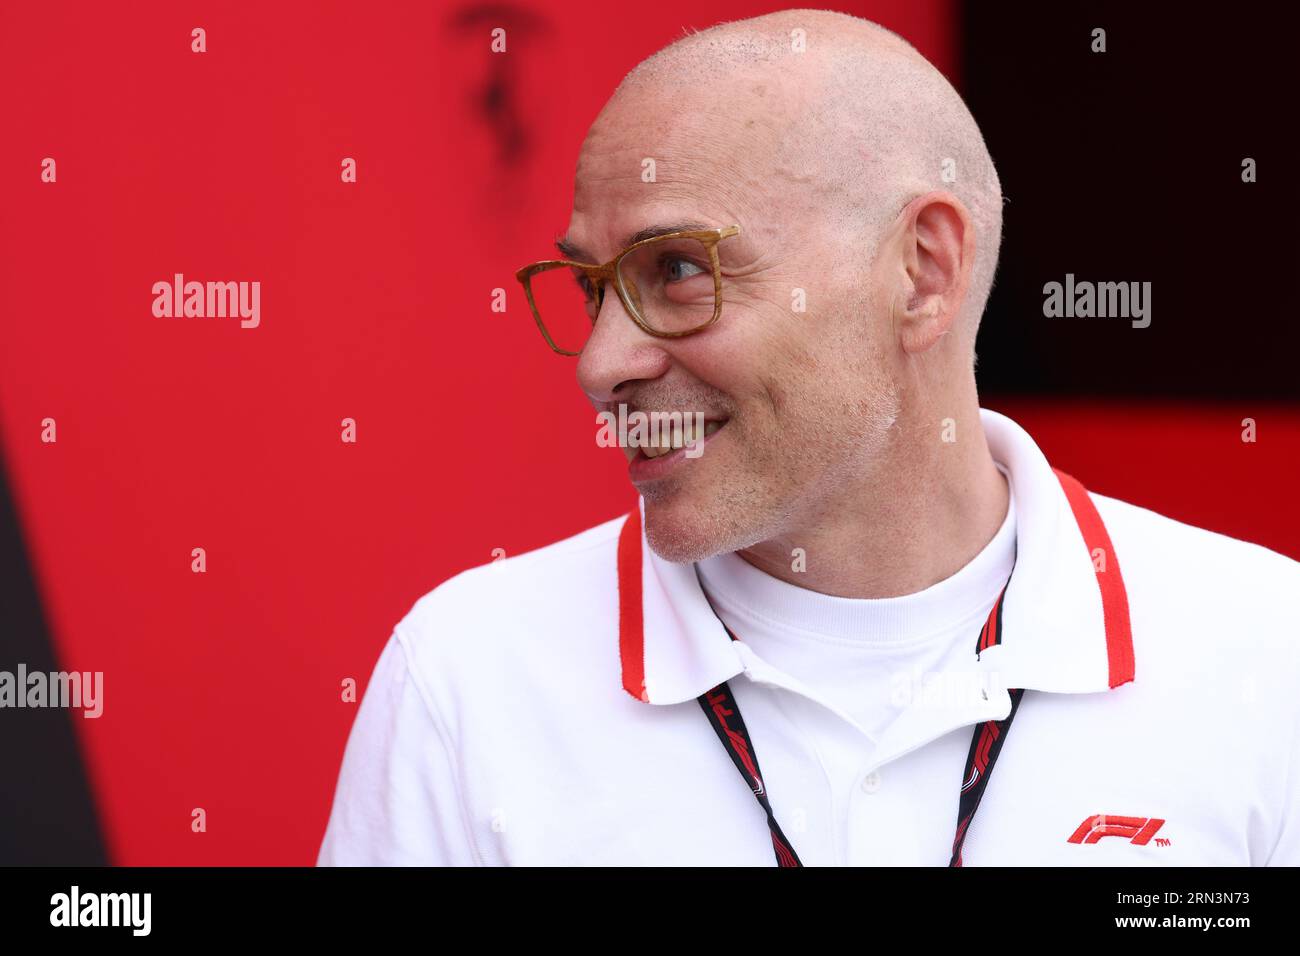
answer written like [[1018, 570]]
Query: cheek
[[790, 391], [775, 429], [803, 390], [816, 414], [778, 404]]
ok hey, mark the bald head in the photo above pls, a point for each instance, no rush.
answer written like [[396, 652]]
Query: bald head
[[867, 122]]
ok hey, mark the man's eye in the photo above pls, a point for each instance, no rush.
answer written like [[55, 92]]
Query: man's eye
[[675, 269]]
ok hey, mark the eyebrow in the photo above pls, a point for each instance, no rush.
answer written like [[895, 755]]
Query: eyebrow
[[571, 250]]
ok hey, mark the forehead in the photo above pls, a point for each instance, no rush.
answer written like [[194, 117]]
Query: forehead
[[657, 155]]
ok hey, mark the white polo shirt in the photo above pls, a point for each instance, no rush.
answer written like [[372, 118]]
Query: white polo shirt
[[542, 710]]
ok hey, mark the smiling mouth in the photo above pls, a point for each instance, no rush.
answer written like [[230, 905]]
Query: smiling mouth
[[674, 439]]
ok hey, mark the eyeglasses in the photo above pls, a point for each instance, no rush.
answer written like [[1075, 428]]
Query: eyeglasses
[[670, 286]]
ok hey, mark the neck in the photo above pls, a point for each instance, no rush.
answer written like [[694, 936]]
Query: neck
[[922, 515]]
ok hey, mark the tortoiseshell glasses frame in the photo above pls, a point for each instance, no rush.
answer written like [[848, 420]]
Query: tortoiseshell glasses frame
[[598, 275]]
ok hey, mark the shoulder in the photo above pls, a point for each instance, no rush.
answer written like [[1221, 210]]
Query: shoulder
[[508, 587], [533, 609], [1159, 546], [1193, 584]]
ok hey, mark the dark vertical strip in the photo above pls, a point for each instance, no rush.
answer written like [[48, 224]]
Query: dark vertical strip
[[1126, 166], [47, 813]]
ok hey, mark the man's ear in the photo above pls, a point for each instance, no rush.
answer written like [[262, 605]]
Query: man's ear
[[936, 247]]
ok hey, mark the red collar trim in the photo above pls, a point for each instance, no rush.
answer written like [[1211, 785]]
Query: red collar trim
[[1114, 597], [1110, 582], [631, 625]]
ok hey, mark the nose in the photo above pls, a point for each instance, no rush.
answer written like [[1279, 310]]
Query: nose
[[618, 353]]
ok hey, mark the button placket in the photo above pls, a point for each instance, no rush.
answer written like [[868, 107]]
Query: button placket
[[832, 744]]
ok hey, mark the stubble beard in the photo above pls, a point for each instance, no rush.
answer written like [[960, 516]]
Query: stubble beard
[[762, 496]]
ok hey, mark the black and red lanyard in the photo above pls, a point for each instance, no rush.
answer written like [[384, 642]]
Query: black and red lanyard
[[720, 707]]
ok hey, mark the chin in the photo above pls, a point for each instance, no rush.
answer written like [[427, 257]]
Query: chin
[[683, 529]]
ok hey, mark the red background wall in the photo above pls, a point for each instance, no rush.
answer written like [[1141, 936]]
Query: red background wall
[[222, 689]]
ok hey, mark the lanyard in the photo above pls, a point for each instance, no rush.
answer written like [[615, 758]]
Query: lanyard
[[720, 707]]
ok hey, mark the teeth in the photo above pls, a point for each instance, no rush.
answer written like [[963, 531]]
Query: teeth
[[671, 439]]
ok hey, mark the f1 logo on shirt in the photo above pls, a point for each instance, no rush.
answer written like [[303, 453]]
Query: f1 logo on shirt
[[1140, 830]]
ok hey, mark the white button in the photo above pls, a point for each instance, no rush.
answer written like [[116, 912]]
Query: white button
[[871, 782]]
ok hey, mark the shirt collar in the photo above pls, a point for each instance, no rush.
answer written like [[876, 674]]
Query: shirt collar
[[1065, 622]]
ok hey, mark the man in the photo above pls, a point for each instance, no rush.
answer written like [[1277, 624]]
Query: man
[[848, 595]]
